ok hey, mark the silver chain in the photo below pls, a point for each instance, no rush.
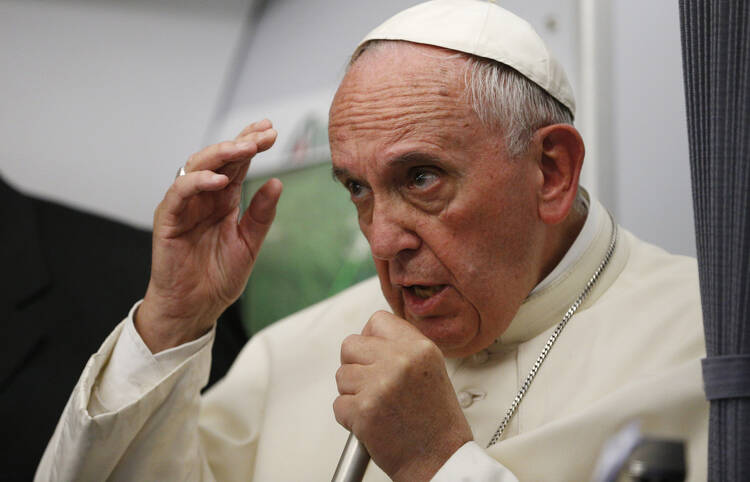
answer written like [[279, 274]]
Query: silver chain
[[551, 341]]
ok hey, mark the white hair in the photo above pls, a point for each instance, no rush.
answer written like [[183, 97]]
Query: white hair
[[501, 97]]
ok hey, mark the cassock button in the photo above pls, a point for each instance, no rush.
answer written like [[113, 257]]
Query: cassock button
[[480, 357], [465, 399]]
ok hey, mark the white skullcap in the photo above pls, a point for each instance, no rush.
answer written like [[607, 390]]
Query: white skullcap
[[484, 29]]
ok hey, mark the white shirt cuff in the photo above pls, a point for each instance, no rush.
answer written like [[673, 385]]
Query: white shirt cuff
[[132, 370], [472, 464]]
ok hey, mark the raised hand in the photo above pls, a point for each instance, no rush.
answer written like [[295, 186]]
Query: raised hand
[[396, 397], [202, 256]]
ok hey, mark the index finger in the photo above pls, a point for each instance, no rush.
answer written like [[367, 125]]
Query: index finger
[[216, 156]]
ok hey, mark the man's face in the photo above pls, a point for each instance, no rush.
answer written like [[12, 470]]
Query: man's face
[[451, 220]]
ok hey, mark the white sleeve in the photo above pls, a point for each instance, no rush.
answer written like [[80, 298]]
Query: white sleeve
[[132, 414], [132, 370], [472, 464]]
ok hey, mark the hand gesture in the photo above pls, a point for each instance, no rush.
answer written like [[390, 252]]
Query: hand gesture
[[396, 397], [202, 256]]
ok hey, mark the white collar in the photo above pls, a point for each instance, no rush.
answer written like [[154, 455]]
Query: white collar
[[543, 308]]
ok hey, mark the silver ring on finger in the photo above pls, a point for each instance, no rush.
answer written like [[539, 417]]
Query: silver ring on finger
[[181, 172]]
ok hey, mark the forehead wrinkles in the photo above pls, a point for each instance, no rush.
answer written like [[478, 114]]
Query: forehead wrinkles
[[394, 106]]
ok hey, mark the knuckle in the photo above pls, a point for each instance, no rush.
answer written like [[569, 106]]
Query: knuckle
[[377, 319], [225, 147], [386, 387], [260, 135], [174, 190], [366, 408], [349, 340], [347, 347], [426, 348], [380, 314], [190, 163], [373, 323], [403, 362], [368, 418]]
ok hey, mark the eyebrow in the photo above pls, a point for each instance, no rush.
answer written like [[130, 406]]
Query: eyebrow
[[339, 174], [416, 156]]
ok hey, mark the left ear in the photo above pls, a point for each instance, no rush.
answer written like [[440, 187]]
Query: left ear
[[560, 159]]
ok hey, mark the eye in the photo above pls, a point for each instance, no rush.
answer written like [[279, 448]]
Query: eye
[[356, 189], [422, 178]]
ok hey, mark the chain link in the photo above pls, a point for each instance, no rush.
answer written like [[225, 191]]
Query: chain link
[[553, 337]]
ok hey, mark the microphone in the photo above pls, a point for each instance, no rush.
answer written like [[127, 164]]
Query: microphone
[[353, 462]]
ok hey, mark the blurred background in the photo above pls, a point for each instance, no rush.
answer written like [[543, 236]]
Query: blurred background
[[102, 101]]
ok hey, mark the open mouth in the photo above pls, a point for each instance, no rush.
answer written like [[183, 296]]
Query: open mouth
[[424, 292]]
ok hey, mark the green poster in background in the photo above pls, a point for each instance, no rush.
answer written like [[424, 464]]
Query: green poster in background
[[313, 250]]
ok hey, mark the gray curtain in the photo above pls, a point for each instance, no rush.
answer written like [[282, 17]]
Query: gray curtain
[[716, 61]]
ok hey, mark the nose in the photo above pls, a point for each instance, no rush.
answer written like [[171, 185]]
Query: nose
[[390, 230]]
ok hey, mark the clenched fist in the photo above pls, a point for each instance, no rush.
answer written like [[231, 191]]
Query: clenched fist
[[396, 397]]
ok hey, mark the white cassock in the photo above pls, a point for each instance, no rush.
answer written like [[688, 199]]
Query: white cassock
[[631, 352]]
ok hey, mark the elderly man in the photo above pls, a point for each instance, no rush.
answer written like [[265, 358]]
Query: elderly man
[[452, 132]]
